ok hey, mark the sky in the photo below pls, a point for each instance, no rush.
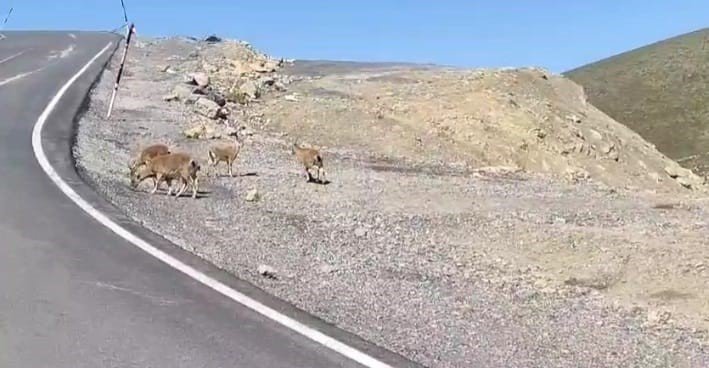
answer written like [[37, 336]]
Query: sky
[[557, 35]]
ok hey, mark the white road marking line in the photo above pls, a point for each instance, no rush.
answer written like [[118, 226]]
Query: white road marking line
[[19, 76], [225, 290], [12, 56]]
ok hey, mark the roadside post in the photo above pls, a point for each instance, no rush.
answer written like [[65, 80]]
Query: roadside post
[[129, 36]]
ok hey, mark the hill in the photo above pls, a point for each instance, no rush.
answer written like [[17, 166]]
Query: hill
[[446, 212], [660, 91]]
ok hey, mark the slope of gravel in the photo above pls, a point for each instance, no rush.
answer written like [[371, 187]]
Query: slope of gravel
[[448, 267]]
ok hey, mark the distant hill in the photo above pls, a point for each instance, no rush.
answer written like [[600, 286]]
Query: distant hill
[[661, 91]]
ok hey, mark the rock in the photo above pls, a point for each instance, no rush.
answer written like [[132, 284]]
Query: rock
[[199, 79], [170, 97], [252, 195], [194, 132], [279, 86], [326, 268], [206, 107], [203, 131], [223, 112], [658, 317], [250, 89], [290, 98], [676, 171], [178, 93], [266, 271], [684, 177], [559, 220], [168, 69], [360, 232], [266, 81], [213, 39], [574, 118], [217, 97], [267, 66]]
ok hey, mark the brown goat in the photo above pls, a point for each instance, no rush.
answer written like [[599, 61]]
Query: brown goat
[[174, 166], [147, 154], [226, 151], [309, 158]]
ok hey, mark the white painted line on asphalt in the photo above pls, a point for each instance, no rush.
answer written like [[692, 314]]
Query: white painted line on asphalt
[[225, 290], [12, 56], [19, 76]]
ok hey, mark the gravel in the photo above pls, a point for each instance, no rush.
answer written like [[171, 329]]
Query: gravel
[[447, 268]]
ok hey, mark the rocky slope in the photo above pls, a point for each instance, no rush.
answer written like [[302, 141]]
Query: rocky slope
[[658, 90], [485, 217]]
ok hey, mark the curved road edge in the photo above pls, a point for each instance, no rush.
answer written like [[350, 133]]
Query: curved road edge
[[53, 146]]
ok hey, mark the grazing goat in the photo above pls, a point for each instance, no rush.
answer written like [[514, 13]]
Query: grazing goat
[[309, 158], [174, 166]]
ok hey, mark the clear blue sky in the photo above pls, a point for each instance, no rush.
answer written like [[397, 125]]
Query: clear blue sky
[[558, 35]]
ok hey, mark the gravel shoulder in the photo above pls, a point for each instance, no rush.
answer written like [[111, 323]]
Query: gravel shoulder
[[447, 265]]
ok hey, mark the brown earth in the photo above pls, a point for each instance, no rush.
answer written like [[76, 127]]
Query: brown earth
[[460, 201]]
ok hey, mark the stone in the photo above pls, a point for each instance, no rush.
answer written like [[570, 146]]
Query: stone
[[290, 98], [199, 79], [250, 89], [279, 86], [206, 107], [252, 195], [194, 132], [266, 81], [213, 39], [217, 97], [266, 271], [326, 268], [658, 317], [178, 93], [223, 112], [360, 232]]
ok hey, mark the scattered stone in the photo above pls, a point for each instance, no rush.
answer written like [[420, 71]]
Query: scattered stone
[[223, 112], [171, 97], [217, 97], [658, 317], [199, 79], [266, 271], [291, 98], [279, 86], [360, 232], [213, 39], [559, 220], [206, 108], [574, 118], [326, 268], [194, 132], [252, 195], [250, 89], [167, 69]]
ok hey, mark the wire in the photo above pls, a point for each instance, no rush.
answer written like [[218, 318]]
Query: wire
[[7, 17], [125, 13]]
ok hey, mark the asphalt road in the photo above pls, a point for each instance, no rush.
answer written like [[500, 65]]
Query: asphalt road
[[72, 293]]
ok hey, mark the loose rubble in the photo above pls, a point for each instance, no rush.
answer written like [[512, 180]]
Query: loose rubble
[[474, 218]]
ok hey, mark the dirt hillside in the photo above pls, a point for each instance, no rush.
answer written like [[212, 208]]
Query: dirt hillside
[[660, 91], [472, 217]]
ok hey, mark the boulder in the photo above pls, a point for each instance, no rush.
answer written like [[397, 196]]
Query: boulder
[[206, 107], [199, 79]]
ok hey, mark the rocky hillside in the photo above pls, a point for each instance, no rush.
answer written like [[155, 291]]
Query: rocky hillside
[[660, 91], [525, 119], [430, 239]]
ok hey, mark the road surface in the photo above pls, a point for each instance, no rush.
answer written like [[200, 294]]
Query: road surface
[[74, 294]]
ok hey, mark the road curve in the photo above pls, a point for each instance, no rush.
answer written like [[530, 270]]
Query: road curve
[[74, 294]]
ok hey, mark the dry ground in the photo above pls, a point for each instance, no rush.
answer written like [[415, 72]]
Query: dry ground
[[413, 245]]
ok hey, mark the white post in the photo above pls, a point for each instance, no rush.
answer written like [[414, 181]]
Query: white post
[[131, 30]]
